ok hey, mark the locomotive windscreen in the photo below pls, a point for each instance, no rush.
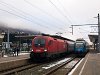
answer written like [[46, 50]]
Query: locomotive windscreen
[[78, 45], [39, 42]]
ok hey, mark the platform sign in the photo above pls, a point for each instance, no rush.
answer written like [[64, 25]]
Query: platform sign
[[6, 45]]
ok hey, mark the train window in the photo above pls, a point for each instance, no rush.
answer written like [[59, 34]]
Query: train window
[[39, 42], [79, 45]]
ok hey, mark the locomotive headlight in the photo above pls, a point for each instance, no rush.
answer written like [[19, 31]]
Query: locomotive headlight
[[32, 49], [45, 50]]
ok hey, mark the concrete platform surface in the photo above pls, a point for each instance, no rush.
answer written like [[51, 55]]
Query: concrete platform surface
[[14, 58], [13, 62], [89, 66]]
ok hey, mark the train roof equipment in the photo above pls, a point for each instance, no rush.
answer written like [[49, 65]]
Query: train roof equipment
[[58, 37]]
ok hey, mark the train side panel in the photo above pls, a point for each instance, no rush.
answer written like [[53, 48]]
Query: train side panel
[[61, 46], [52, 47], [71, 46]]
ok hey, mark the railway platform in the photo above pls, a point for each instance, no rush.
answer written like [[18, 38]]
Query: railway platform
[[90, 65], [13, 62], [14, 58]]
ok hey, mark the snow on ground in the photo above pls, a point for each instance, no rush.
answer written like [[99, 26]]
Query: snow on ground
[[23, 53], [18, 54], [56, 63], [5, 56]]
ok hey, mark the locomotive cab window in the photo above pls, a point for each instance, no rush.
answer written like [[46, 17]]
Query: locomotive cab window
[[40, 42], [79, 45]]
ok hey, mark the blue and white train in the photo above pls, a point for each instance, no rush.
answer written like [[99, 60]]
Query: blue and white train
[[81, 47]]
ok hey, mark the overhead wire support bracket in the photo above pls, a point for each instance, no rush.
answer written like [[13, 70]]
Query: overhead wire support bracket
[[83, 25]]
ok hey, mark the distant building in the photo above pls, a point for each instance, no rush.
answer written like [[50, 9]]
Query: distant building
[[1, 40]]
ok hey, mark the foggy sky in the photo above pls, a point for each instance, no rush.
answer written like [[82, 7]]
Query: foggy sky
[[50, 16]]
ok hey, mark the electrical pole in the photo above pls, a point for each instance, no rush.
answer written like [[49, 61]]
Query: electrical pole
[[98, 33], [72, 29], [8, 44]]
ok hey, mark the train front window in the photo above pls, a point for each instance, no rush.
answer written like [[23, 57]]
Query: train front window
[[78, 45], [40, 42]]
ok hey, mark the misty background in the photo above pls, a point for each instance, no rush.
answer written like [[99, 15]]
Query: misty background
[[50, 16]]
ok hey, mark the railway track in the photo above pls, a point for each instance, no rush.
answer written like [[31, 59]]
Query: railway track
[[61, 67], [58, 67], [18, 69], [64, 68]]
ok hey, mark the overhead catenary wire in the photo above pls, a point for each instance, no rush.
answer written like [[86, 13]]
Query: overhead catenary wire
[[65, 11], [60, 29], [50, 15], [22, 17], [28, 14], [43, 11], [60, 11]]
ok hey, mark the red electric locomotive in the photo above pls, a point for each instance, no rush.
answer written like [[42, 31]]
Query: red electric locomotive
[[46, 46]]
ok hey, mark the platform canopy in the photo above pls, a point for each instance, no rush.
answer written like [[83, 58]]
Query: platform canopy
[[93, 38]]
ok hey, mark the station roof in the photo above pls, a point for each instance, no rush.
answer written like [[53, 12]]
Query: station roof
[[93, 38], [25, 36], [32, 36]]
